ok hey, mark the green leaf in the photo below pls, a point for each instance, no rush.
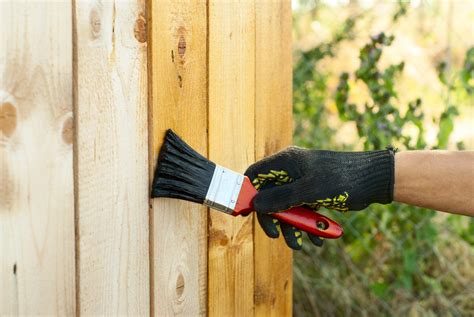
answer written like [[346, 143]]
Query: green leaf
[[427, 232], [409, 261], [380, 289], [446, 126], [406, 280]]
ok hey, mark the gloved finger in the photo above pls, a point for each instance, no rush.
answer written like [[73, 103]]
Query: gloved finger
[[271, 179], [269, 225], [316, 240], [277, 198], [293, 236]]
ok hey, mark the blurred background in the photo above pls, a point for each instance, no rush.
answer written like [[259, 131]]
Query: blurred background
[[368, 74]]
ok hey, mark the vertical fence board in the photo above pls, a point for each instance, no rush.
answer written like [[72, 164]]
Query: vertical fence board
[[273, 124], [36, 165], [178, 100], [111, 157], [231, 144]]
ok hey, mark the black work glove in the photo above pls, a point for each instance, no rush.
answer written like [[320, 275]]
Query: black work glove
[[313, 178]]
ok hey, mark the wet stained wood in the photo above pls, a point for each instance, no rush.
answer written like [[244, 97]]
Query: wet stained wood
[[273, 132], [231, 144], [178, 100]]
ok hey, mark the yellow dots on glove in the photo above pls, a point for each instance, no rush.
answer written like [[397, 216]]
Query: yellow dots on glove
[[299, 238], [337, 202], [277, 224], [274, 176]]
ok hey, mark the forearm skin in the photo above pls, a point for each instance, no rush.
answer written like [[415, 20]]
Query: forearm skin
[[440, 180]]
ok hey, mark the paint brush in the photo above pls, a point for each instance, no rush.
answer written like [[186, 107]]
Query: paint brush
[[183, 173]]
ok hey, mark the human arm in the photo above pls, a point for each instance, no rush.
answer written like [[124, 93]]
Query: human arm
[[440, 180], [353, 180]]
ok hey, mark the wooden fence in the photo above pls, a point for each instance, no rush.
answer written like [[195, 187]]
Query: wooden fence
[[87, 89]]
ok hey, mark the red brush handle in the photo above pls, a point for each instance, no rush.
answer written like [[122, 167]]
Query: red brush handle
[[302, 218], [307, 220]]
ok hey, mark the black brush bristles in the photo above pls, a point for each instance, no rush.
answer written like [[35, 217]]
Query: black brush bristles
[[182, 172]]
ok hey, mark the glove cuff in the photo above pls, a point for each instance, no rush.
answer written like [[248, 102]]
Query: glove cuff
[[378, 180]]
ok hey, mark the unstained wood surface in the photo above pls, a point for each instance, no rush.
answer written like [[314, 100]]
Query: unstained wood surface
[[178, 100], [111, 158], [231, 144], [273, 132], [36, 164]]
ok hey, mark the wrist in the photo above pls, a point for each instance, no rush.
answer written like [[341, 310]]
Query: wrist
[[399, 189], [372, 174], [380, 185]]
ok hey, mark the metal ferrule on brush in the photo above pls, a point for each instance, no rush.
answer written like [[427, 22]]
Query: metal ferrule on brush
[[224, 189]]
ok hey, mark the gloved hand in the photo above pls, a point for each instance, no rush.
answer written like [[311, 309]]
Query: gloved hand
[[335, 180]]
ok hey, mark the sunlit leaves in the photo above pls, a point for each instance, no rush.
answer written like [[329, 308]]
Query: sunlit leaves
[[467, 73]]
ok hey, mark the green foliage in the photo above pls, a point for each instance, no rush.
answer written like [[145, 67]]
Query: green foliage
[[402, 10], [446, 126], [310, 90], [465, 80], [390, 252], [380, 122], [465, 76], [463, 227], [467, 73]]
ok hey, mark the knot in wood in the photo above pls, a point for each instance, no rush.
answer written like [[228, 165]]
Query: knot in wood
[[95, 22], [180, 285], [181, 46], [139, 29], [67, 132], [8, 119]]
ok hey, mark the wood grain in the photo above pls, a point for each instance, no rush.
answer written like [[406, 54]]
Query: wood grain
[[178, 86], [273, 125], [231, 144], [111, 157], [36, 164]]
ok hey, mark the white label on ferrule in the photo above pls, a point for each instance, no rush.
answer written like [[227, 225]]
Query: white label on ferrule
[[224, 189]]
